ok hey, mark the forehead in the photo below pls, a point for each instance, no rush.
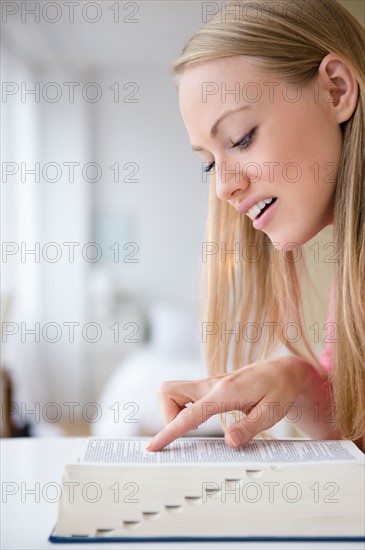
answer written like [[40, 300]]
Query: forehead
[[218, 83]]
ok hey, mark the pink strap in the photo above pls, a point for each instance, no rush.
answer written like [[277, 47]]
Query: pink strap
[[325, 357]]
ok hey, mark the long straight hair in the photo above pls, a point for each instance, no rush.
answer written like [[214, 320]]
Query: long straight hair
[[289, 41]]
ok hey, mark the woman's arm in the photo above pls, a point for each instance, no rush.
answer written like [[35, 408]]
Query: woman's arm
[[313, 406], [266, 391]]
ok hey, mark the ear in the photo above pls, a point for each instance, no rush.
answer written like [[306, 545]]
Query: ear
[[339, 79]]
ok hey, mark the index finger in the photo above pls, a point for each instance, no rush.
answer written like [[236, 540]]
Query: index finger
[[187, 419]]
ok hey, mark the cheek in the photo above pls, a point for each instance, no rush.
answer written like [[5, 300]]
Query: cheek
[[303, 128], [303, 214], [303, 153]]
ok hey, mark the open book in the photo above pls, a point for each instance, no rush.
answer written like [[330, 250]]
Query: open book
[[200, 489]]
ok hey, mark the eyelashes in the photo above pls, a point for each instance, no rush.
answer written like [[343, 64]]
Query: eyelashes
[[245, 142], [243, 145], [209, 168]]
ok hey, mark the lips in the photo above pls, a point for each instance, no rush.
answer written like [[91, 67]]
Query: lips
[[261, 221], [246, 205], [259, 208]]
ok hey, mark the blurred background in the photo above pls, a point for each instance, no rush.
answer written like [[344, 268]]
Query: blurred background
[[103, 217]]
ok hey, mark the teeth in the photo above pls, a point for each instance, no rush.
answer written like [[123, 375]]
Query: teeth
[[256, 209]]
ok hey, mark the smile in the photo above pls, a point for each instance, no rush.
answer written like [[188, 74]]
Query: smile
[[265, 214], [259, 208]]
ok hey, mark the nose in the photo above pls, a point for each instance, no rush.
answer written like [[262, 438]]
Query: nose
[[230, 181]]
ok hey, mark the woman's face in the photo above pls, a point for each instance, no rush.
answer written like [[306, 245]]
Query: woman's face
[[294, 145]]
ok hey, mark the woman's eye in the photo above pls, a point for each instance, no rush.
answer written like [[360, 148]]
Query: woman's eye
[[245, 142], [243, 145], [209, 167]]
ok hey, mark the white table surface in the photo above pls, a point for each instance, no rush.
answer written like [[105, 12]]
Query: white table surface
[[26, 523]]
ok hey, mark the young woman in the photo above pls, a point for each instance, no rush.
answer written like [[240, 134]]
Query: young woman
[[272, 94]]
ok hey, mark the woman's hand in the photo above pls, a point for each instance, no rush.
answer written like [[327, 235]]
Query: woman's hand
[[264, 391]]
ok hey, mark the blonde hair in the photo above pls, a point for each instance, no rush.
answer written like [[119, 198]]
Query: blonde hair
[[268, 287]]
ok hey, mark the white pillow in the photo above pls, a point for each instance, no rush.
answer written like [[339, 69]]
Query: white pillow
[[129, 405], [174, 331]]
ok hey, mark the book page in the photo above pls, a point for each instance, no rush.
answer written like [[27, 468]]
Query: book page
[[214, 451]]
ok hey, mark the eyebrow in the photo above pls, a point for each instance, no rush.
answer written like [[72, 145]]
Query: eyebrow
[[214, 128]]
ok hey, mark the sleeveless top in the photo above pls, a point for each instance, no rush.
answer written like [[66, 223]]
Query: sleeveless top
[[331, 334]]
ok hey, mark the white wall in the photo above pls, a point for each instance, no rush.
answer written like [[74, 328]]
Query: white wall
[[65, 217], [167, 209], [168, 204], [37, 213]]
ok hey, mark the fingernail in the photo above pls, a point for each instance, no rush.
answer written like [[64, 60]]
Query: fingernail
[[235, 438]]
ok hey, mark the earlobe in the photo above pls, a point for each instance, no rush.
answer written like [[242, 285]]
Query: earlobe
[[342, 85]]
